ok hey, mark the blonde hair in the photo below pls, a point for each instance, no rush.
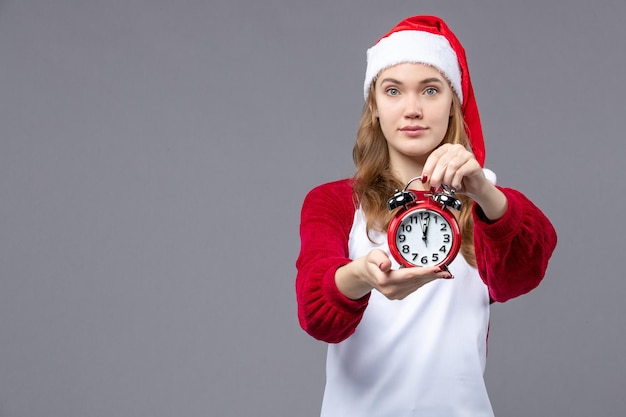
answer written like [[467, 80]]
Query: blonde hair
[[374, 183]]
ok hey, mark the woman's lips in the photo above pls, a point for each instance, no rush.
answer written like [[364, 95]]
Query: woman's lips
[[413, 130]]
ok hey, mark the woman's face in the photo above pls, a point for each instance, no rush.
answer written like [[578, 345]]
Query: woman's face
[[413, 104]]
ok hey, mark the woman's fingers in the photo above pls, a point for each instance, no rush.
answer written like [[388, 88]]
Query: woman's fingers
[[380, 259], [451, 165], [403, 282]]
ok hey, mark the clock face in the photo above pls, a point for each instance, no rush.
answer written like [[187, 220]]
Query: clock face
[[424, 237]]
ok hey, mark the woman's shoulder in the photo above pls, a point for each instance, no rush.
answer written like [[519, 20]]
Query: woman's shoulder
[[339, 193], [339, 186]]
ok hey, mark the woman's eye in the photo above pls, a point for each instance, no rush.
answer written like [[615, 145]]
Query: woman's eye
[[431, 91], [393, 91]]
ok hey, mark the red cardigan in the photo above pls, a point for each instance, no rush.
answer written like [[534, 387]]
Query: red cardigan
[[512, 254]]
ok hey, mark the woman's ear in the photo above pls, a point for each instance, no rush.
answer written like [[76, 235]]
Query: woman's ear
[[374, 112], [375, 116]]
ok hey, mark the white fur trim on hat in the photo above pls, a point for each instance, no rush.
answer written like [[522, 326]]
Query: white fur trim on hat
[[415, 47]]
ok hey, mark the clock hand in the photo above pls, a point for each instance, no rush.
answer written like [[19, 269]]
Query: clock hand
[[425, 230], [420, 223]]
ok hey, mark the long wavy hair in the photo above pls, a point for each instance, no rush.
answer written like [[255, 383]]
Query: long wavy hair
[[374, 183]]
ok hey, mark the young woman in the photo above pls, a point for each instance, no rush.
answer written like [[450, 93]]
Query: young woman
[[412, 341]]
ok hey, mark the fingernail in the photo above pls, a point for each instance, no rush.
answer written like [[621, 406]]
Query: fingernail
[[438, 270], [424, 179], [449, 277]]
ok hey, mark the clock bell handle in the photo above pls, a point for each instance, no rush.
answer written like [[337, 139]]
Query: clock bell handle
[[406, 187], [401, 199], [404, 197], [446, 197]]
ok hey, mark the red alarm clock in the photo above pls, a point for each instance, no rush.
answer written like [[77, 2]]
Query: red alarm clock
[[424, 232]]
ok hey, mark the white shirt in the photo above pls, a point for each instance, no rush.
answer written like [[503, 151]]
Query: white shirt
[[421, 356]]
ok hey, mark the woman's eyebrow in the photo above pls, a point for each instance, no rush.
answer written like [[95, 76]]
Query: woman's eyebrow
[[390, 80], [432, 80], [424, 81]]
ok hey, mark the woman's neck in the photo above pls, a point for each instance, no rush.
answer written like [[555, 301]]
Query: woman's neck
[[406, 169]]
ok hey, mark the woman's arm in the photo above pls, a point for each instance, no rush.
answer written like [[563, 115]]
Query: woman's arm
[[512, 252], [326, 219], [513, 239]]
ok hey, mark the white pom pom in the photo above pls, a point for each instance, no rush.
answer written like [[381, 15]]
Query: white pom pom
[[491, 176]]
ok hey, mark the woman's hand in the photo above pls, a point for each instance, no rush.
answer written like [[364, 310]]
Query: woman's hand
[[457, 167], [359, 277]]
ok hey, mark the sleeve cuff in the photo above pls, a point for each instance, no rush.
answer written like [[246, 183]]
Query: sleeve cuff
[[337, 298], [506, 226]]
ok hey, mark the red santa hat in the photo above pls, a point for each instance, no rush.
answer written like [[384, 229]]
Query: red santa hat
[[428, 40]]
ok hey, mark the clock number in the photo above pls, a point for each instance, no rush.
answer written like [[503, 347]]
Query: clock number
[[406, 228], [405, 249], [443, 249], [444, 227], [435, 257], [401, 238], [446, 238], [423, 259]]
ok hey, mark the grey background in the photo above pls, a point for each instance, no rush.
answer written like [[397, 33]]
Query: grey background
[[153, 160]]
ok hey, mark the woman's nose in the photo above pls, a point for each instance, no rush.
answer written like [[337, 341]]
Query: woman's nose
[[413, 109]]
